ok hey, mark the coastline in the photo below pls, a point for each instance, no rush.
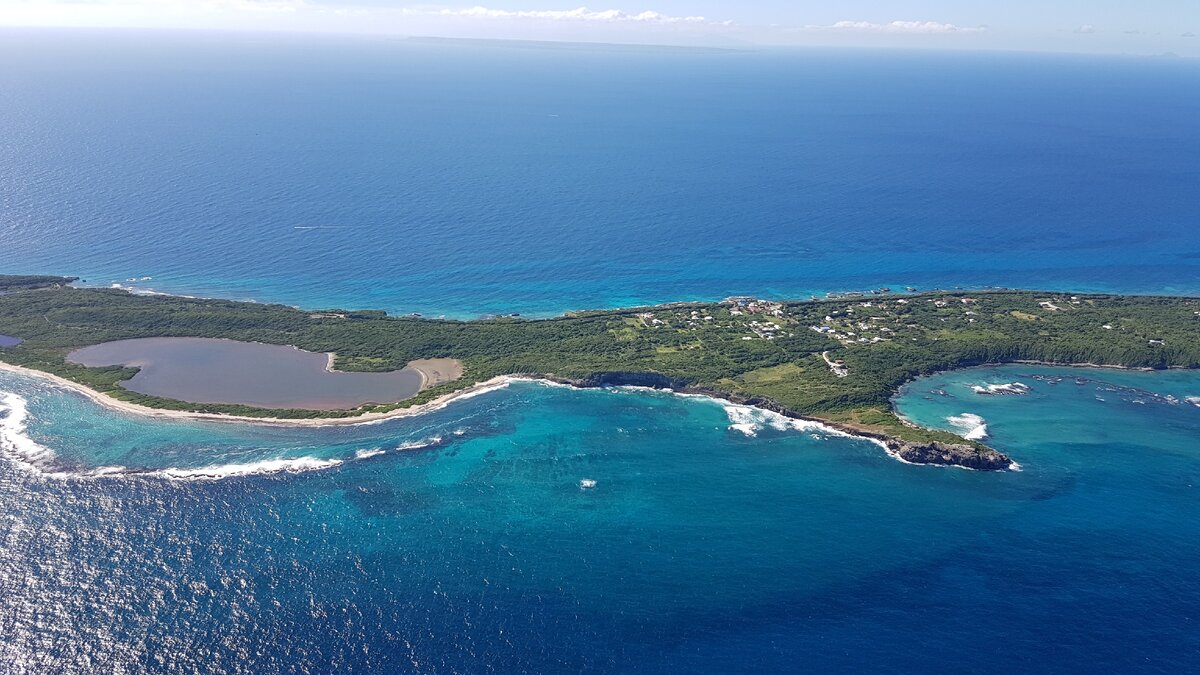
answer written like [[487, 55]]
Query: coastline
[[895, 448], [1017, 362], [820, 294], [598, 349], [184, 415], [1028, 362], [931, 453], [431, 376]]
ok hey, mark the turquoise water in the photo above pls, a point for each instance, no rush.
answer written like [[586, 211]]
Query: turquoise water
[[469, 544], [459, 180]]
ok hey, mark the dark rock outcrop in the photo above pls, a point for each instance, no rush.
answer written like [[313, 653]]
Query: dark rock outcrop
[[950, 454]]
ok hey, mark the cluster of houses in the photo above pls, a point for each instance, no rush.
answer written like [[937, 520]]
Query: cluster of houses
[[650, 320], [849, 327], [866, 321], [1051, 307], [873, 321], [695, 320], [765, 330], [740, 305]]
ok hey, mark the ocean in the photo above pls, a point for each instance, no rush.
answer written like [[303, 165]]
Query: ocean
[[538, 528], [715, 538], [455, 180]]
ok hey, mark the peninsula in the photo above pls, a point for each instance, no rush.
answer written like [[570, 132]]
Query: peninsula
[[837, 361]]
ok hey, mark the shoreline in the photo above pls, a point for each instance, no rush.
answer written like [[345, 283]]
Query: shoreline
[[894, 448], [1027, 362], [1018, 362], [865, 414], [813, 296], [903, 388], [933, 453], [926, 453], [184, 415]]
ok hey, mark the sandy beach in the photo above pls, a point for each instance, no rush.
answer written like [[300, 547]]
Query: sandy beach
[[366, 418], [435, 372]]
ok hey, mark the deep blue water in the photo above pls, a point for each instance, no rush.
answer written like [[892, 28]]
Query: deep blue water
[[468, 545], [457, 180]]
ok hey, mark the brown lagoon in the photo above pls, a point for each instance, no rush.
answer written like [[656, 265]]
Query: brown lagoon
[[206, 370]]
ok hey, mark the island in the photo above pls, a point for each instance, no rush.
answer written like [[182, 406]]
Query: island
[[837, 361]]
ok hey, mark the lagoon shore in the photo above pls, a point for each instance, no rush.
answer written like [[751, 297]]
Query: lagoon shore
[[220, 371]]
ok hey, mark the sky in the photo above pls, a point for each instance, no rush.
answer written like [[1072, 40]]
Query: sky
[[1142, 27]]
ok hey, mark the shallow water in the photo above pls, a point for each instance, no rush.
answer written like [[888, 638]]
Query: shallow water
[[701, 546]]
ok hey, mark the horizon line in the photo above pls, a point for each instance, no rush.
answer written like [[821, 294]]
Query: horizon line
[[450, 39]]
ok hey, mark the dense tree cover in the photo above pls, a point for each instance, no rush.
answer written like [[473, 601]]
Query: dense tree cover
[[774, 355], [22, 282]]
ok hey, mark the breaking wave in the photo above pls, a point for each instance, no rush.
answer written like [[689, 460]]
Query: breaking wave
[[749, 420], [430, 442], [138, 290], [1010, 389], [13, 437], [26, 451], [971, 427], [480, 391], [265, 467]]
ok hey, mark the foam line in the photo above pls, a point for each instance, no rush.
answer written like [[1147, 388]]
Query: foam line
[[14, 439], [971, 427]]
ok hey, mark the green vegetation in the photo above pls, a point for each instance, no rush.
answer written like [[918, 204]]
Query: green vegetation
[[25, 282], [839, 360]]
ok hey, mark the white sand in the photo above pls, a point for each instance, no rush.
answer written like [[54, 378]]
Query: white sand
[[365, 418]]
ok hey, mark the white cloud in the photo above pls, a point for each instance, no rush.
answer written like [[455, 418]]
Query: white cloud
[[577, 14], [121, 12], [322, 15], [205, 5], [899, 27], [261, 5], [1086, 29]]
